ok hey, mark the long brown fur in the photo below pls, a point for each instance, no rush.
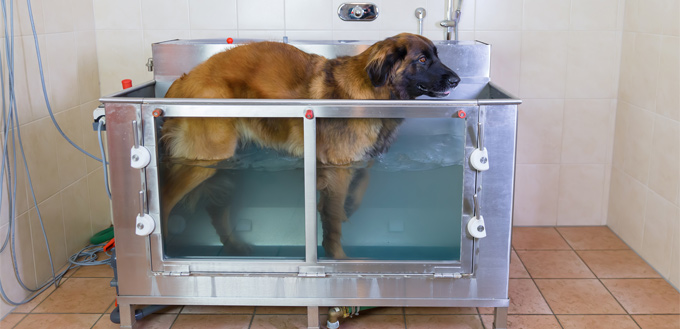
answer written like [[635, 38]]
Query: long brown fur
[[280, 71]]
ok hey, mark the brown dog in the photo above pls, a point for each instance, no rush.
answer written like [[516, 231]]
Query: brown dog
[[401, 67]]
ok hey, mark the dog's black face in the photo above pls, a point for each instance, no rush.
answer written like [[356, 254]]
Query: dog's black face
[[409, 65]]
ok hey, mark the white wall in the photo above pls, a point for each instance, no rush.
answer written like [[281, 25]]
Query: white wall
[[644, 208], [68, 186]]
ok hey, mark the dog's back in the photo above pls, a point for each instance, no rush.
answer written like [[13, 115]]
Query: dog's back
[[258, 70]]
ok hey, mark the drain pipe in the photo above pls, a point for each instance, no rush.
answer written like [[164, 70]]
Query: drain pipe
[[452, 20], [337, 313]]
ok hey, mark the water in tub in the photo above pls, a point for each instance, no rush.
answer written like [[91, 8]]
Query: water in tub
[[411, 209]]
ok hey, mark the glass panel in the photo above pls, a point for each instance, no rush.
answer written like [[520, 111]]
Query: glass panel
[[405, 204], [253, 201]]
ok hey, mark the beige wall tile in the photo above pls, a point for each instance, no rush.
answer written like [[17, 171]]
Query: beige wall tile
[[546, 14], [23, 200], [83, 14], [675, 258], [120, 55], [498, 15], [587, 130], [25, 263], [62, 61], [627, 201], [395, 15], [592, 64], [213, 14], [100, 206], [642, 75], [58, 16], [214, 34], [153, 36], [22, 20], [252, 17], [88, 69], [118, 15], [70, 162], [77, 224], [581, 189], [672, 20], [535, 194], [623, 111], [594, 14], [664, 175], [661, 224], [667, 99], [40, 140], [638, 140], [165, 14], [505, 57], [544, 64], [30, 98], [539, 135], [51, 211]]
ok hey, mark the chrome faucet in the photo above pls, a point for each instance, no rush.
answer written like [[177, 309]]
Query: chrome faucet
[[452, 19]]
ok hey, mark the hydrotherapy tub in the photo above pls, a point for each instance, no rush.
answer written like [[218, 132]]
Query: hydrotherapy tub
[[410, 243]]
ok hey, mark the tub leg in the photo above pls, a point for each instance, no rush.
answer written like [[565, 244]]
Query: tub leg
[[500, 318], [313, 317], [127, 315]]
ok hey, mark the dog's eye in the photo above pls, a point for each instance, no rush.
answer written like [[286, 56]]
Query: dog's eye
[[422, 59]]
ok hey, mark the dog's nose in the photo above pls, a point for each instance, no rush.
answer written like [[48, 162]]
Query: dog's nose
[[453, 81]]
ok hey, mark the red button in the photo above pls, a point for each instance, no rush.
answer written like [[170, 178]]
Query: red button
[[230, 40], [309, 114]]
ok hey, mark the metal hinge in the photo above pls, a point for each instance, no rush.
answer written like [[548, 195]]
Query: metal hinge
[[447, 273], [312, 271]]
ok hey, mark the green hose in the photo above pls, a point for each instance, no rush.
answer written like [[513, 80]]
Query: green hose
[[102, 236]]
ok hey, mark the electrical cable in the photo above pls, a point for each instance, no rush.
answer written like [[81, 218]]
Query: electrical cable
[[101, 148]]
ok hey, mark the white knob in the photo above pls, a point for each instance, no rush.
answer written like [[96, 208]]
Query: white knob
[[140, 157], [144, 225], [476, 227], [479, 159]]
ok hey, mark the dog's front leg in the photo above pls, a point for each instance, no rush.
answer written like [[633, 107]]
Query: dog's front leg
[[333, 184]]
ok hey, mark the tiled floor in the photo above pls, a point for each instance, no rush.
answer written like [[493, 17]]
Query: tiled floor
[[564, 277]]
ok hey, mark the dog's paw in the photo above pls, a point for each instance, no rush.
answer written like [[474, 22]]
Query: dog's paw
[[237, 247]]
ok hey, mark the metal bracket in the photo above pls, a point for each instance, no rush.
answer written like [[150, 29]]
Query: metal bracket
[[175, 270], [149, 65], [312, 271]]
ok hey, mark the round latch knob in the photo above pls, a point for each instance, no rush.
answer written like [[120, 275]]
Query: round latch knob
[[357, 12]]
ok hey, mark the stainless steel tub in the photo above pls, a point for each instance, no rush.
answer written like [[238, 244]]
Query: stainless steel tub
[[477, 276]]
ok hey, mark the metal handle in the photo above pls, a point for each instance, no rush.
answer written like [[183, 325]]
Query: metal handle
[[480, 136], [420, 14], [135, 133]]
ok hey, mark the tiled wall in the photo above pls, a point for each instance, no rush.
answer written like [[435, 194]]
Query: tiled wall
[[560, 56], [644, 207], [69, 187]]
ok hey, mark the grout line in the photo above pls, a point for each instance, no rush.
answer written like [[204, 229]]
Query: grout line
[[95, 323]]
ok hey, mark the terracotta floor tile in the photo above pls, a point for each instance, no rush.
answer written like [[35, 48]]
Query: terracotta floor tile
[[645, 296], [578, 296], [96, 271], [537, 238], [591, 238], [525, 298], [212, 321], [28, 307], [153, 321], [111, 308], [525, 322], [597, 322], [517, 269], [79, 295], [554, 264], [485, 310], [279, 322], [658, 321], [373, 322], [197, 309], [11, 320], [443, 322], [617, 264], [280, 310], [441, 310], [58, 321]]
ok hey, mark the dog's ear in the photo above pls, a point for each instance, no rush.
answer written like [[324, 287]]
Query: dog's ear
[[385, 55]]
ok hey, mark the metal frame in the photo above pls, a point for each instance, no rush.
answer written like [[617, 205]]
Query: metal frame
[[479, 279]]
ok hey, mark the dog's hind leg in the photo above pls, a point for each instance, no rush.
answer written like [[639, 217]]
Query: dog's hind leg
[[357, 189], [333, 184]]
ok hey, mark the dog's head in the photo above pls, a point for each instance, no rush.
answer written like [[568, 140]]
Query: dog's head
[[408, 64]]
